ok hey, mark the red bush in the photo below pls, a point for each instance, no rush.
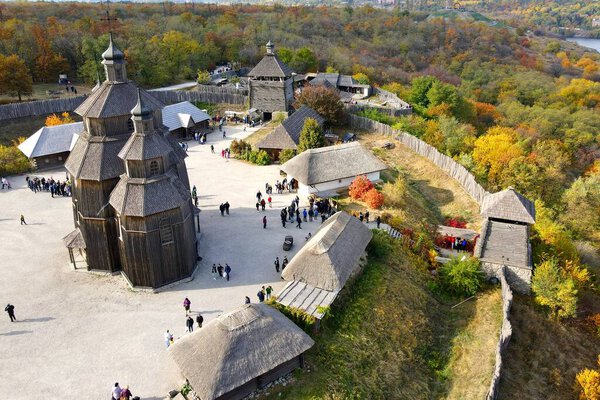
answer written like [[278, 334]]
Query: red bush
[[458, 222], [373, 198], [359, 187]]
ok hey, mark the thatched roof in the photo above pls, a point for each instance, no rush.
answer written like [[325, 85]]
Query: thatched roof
[[74, 240], [307, 298], [505, 243], [113, 99], [508, 205], [96, 157], [287, 135], [51, 140], [237, 347], [332, 163], [329, 257], [270, 66]]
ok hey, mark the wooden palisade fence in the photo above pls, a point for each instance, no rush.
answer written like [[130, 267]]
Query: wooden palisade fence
[[40, 107]]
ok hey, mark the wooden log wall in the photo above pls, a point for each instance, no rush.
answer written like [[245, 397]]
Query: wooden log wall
[[41, 107], [205, 94], [451, 167], [394, 112]]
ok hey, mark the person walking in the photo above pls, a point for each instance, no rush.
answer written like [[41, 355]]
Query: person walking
[[23, 220], [126, 393], [226, 207], [258, 196], [247, 300], [199, 320], [10, 309], [284, 263], [268, 291], [227, 271], [222, 209], [257, 206], [378, 221], [262, 204], [261, 295], [186, 305], [276, 264], [270, 200], [298, 222], [220, 270], [214, 272], [361, 216], [367, 216], [116, 391], [304, 214], [265, 222], [168, 338], [212, 149], [190, 324]]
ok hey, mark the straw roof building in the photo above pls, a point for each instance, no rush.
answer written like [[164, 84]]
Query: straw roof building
[[332, 168], [271, 85], [505, 238], [239, 352], [320, 270], [287, 135]]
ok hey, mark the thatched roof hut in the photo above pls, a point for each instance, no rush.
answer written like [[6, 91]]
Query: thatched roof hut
[[240, 351], [508, 205], [331, 255]]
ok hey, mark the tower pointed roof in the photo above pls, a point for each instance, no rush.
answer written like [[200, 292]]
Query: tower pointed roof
[[271, 66], [141, 108], [508, 205], [112, 52]]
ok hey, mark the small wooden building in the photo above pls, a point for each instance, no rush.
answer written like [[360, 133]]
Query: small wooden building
[[320, 270], [153, 208], [50, 146], [345, 84], [504, 238], [240, 351], [271, 85], [333, 168], [287, 135], [184, 119]]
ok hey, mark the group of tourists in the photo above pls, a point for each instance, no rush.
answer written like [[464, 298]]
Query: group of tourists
[[456, 243], [55, 187], [118, 393], [200, 137], [226, 153], [280, 266], [184, 146], [221, 271], [224, 208], [264, 293], [260, 200], [285, 185]]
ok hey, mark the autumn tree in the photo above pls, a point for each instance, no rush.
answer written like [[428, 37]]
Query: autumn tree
[[326, 102], [359, 187], [493, 152], [15, 79], [582, 206], [48, 64], [311, 136], [374, 198], [64, 118], [555, 289], [361, 78], [588, 382], [203, 77]]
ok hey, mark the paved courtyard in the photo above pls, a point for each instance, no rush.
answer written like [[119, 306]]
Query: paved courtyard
[[79, 332]]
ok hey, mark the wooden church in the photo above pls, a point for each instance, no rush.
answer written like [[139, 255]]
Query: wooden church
[[131, 195]]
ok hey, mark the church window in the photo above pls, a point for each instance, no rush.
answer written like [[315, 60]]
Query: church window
[[154, 168], [166, 231], [129, 125], [119, 74]]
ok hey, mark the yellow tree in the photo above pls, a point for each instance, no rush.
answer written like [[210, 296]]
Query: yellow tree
[[588, 381], [15, 79], [493, 152], [64, 118]]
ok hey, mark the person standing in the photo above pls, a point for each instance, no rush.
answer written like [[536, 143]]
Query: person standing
[[257, 206], [261, 296], [258, 196], [212, 149], [378, 220], [168, 338], [276, 264], [226, 207], [23, 220], [298, 222], [265, 222], [186, 305], [268, 291], [214, 272], [284, 263], [199, 320], [126, 393], [116, 391], [361, 217], [190, 324], [227, 271], [220, 270], [10, 309], [262, 204], [270, 200], [247, 300], [222, 209]]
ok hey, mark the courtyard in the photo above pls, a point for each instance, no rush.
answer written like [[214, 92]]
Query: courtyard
[[80, 332]]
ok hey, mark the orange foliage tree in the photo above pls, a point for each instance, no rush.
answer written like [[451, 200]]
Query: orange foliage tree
[[64, 118], [359, 187], [373, 198]]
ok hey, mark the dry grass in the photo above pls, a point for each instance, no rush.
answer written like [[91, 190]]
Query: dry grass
[[40, 93], [22, 127], [473, 354], [440, 193], [260, 135], [544, 356]]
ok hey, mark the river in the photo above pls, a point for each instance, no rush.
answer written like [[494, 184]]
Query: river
[[586, 42]]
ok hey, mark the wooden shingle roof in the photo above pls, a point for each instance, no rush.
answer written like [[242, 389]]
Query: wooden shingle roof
[[270, 66], [237, 347], [287, 135], [508, 205], [113, 99], [96, 158]]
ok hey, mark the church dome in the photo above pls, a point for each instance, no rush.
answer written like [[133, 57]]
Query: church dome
[[112, 52]]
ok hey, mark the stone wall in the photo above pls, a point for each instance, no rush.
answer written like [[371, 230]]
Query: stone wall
[[447, 164], [505, 335]]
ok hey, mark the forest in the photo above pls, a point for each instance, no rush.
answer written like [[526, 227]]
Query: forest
[[514, 107]]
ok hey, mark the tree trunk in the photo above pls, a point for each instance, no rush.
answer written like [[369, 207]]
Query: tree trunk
[[19, 94]]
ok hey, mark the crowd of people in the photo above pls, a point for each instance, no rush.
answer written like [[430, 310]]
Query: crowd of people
[[219, 271], [55, 187]]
